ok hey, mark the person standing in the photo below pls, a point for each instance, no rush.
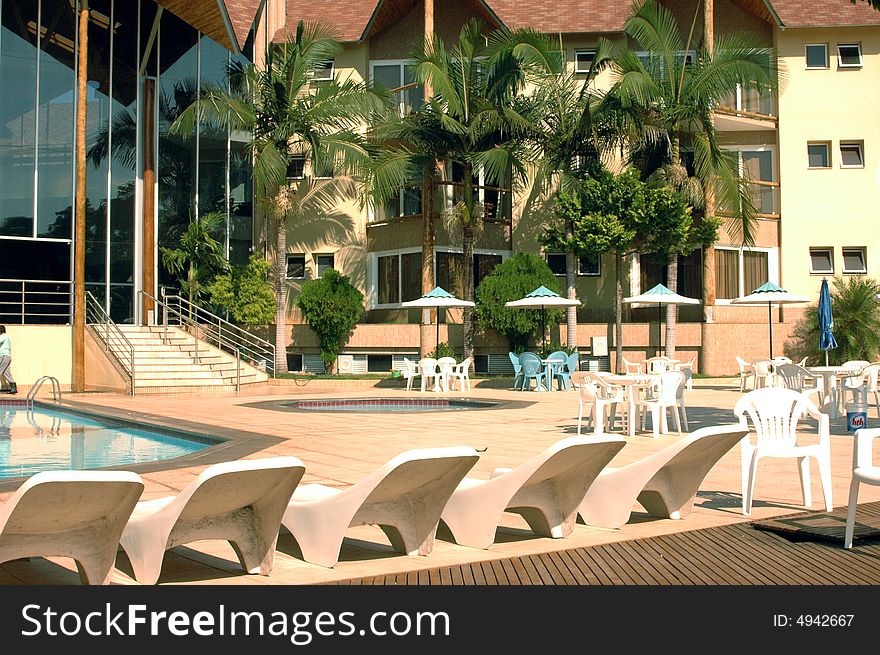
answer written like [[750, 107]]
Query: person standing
[[6, 361]]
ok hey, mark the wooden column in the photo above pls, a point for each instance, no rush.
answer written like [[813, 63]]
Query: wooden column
[[149, 213], [78, 377], [427, 336], [709, 250]]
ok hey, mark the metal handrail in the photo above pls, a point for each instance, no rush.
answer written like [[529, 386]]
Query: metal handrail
[[56, 391], [23, 301], [115, 341], [215, 330]]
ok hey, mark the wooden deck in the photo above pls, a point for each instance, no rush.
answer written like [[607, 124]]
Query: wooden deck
[[807, 549]]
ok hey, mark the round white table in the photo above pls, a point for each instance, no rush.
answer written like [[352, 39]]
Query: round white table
[[832, 377], [633, 383]]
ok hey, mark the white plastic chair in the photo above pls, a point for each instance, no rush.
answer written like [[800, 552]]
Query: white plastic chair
[[76, 514], [861, 385], [668, 394], [461, 373], [429, 369], [410, 372], [763, 369], [404, 497], [545, 491], [241, 502], [597, 397], [746, 373], [659, 364], [865, 471], [631, 367], [688, 369], [793, 376], [664, 483], [774, 413]]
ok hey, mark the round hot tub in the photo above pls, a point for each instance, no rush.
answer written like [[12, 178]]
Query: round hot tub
[[387, 405]]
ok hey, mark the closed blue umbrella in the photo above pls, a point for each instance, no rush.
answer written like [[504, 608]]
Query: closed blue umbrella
[[826, 321]]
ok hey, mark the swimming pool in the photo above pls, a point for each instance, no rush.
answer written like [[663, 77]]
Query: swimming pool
[[45, 439], [389, 404]]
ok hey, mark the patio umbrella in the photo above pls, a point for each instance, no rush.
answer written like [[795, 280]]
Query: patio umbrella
[[661, 295], [826, 321], [437, 297], [772, 294], [543, 297]]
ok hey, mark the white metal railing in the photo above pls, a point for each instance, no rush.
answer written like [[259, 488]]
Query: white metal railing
[[114, 340], [36, 301], [56, 391], [202, 324]]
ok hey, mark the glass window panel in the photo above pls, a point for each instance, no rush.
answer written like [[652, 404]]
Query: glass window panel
[[121, 303], [483, 267], [556, 262], [322, 263], [817, 154], [18, 79], [851, 155], [653, 271], [690, 274], [213, 61], [589, 264], [755, 270], [34, 260], [411, 276], [387, 75], [817, 55], [414, 97], [296, 266], [758, 165], [412, 200], [55, 128], [821, 260], [726, 274], [584, 60], [388, 280], [850, 55], [178, 88], [449, 272]]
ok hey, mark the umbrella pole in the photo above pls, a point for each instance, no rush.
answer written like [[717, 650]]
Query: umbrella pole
[[770, 321], [543, 329], [660, 328], [437, 346]]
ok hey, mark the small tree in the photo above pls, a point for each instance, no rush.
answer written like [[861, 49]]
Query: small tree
[[512, 279], [332, 307], [856, 313], [246, 293], [198, 257]]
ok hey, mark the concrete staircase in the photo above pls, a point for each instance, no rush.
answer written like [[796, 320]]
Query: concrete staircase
[[165, 362]]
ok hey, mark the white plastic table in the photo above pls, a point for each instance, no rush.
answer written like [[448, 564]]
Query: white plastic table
[[549, 369], [831, 379], [633, 383]]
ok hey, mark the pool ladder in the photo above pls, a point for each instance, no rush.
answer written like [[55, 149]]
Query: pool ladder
[[56, 390]]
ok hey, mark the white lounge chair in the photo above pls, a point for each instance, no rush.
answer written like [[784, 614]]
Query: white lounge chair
[[76, 514], [545, 491], [241, 502], [404, 497], [774, 413], [664, 483]]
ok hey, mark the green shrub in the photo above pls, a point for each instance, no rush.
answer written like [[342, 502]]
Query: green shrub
[[855, 311], [332, 307], [556, 347], [511, 280], [442, 350], [246, 293]]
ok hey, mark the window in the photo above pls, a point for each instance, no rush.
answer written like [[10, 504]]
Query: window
[[851, 155], [407, 202], [583, 60], [495, 196], [817, 55], [740, 271], [854, 261], [822, 261], [399, 277], [653, 271], [296, 167], [587, 264], [323, 71], [849, 55], [450, 270], [322, 263], [296, 267], [396, 75], [819, 155]]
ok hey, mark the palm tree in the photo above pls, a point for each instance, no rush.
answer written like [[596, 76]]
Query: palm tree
[[472, 104], [288, 116], [564, 124], [668, 99], [198, 255]]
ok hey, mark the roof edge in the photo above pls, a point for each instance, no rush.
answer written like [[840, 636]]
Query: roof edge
[[772, 10], [230, 31], [366, 31]]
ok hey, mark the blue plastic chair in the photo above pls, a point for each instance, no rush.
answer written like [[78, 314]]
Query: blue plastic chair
[[563, 374], [559, 372], [517, 368], [532, 369]]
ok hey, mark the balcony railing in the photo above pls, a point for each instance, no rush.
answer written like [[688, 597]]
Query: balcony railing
[[765, 197], [749, 103], [36, 302]]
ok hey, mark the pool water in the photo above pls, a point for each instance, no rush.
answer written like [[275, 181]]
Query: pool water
[[389, 405], [49, 440]]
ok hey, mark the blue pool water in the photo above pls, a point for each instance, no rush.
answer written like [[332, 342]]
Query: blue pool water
[[50, 440]]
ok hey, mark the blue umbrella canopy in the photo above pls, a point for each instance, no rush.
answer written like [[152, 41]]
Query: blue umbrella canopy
[[826, 321], [662, 295], [772, 294], [543, 297]]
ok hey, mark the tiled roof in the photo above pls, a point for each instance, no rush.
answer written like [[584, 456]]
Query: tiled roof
[[567, 16], [241, 15], [824, 13], [347, 18], [205, 15]]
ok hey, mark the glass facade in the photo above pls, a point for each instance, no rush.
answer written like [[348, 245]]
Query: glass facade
[[206, 171]]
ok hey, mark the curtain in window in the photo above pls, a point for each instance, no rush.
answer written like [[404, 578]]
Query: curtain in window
[[388, 278], [449, 272], [726, 274], [411, 276], [755, 270]]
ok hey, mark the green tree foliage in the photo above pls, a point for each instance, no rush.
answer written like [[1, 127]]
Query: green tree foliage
[[332, 307], [856, 314], [511, 280], [443, 349], [246, 293], [198, 257]]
